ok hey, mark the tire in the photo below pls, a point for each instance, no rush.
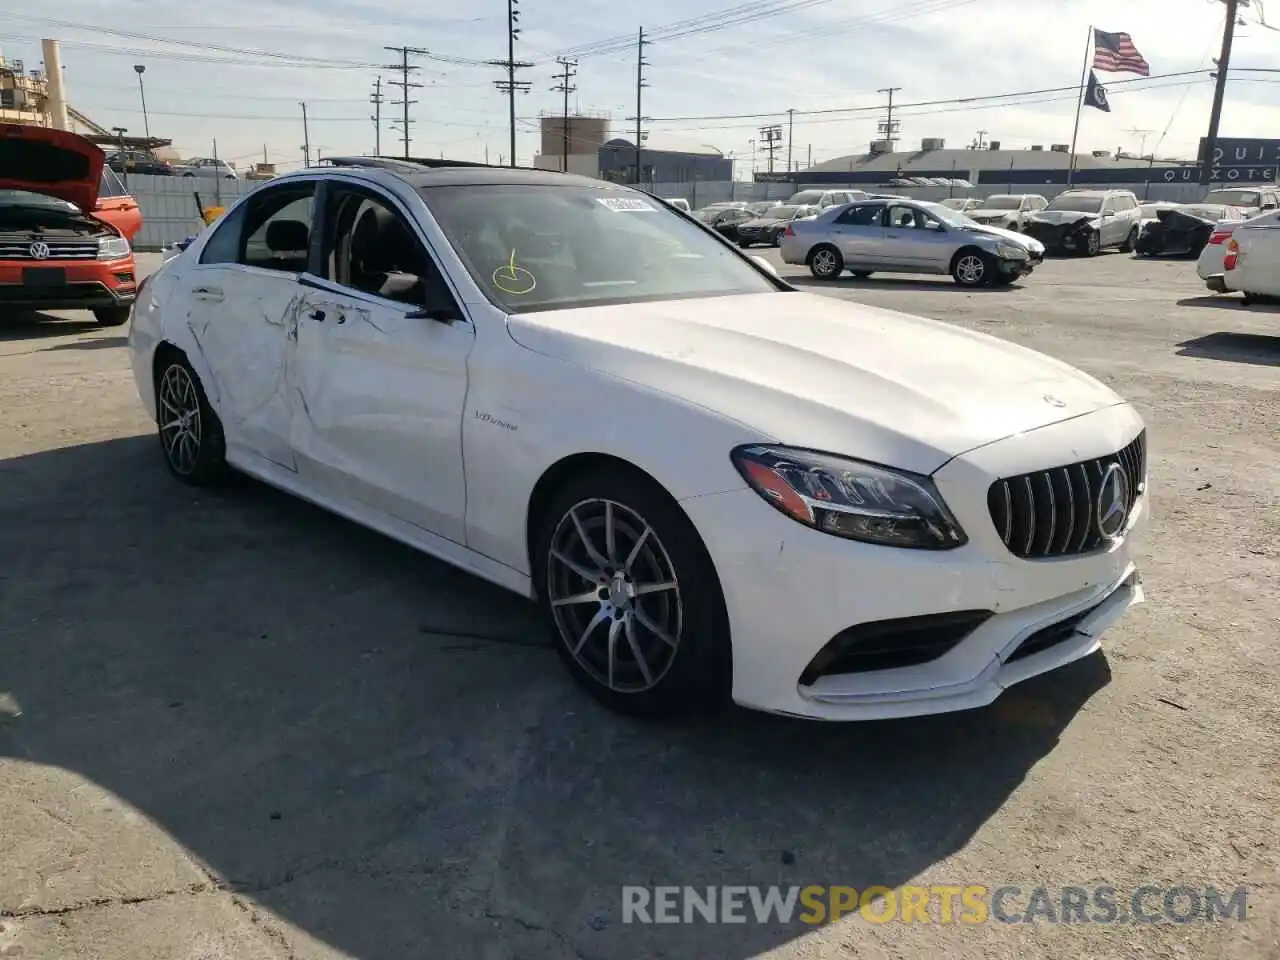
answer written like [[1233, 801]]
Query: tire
[[112, 316], [190, 175], [182, 410], [1130, 242], [584, 605], [825, 262], [1092, 244], [972, 268], [1247, 299], [860, 274]]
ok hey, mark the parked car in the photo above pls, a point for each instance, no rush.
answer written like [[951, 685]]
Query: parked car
[[1209, 265], [767, 227], [1251, 264], [1008, 210], [960, 204], [58, 248], [1087, 222], [1150, 211], [140, 162], [1001, 485], [117, 206], [1183, 229], [205, 167], [724, 220], [1252, 200], [760, 207], [908, 236], [825, 198]]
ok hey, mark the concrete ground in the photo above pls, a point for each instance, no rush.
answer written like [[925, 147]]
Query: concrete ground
[[234, 727]]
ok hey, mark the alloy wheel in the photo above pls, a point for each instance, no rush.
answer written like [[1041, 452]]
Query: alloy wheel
[[181, 429], [614, 595], [970, 269], [1093, 244], [824, 263]]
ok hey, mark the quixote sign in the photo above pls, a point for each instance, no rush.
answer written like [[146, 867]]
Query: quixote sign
[[1240, 160]]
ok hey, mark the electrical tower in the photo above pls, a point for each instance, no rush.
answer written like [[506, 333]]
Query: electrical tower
[[376, 99], [888, 127], [510, 86], [771, 138], [568, 70], [405, 85]]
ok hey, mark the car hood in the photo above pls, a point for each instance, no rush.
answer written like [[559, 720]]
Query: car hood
[[816, 372], [54, 163], [1010, 236], [991, 214], [1060, 217]]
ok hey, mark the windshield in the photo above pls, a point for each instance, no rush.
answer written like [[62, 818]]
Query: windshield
[[559, 247], [1001, 202], [1076, 204], [1235, 198], [759, 208], [25, 198], [806, 197], [1208, 211], [951, 218]]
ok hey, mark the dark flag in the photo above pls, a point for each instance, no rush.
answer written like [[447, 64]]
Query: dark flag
[[1095, 95], [1115, 53]]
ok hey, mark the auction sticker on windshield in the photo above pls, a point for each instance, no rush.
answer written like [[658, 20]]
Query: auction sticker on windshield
[[627, 205]]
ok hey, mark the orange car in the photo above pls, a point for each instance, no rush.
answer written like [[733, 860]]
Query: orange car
[[63, 246]]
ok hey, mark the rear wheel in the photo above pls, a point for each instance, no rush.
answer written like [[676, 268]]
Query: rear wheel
[[825, 262], [190, 432], [1130, 242], [111, 316], [632, 597]]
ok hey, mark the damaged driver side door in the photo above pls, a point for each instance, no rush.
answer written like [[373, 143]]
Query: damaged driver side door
[[244, 296]]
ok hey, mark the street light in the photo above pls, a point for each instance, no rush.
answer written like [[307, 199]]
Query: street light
[[140, 69]]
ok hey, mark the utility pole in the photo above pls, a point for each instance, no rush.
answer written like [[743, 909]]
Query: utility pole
[[641, 83], [306, 137], [771, 137], [981, 142], [791, 126], [1142, 144], [887, 128], [511, 85], [566, 87], [405, 85], [376, 99], [1219, 90]]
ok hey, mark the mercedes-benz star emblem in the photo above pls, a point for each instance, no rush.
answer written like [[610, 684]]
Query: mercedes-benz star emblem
[[39, 250], [1113, 502]]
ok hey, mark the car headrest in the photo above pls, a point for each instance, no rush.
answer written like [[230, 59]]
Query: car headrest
[[287, 236]]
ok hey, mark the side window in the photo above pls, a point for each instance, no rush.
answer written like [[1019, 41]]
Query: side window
[[374, 250], [224, 245], [863, 215], [277, 229], [901, 218], [110, 185]]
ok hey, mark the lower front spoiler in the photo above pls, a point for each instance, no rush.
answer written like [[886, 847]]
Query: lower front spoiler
[[92, 295], [839, 698]]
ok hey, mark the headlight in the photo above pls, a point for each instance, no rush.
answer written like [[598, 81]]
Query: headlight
[[851, 499], [112, 248], [1008, 251]]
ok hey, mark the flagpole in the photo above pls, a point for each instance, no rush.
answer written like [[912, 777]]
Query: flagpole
[[1084, 73]]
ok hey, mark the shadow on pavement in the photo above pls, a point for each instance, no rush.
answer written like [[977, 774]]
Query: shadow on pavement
[[96, 343], [1237, 347], [895, 283], [309, 709], [1219, 301], [28, 325]]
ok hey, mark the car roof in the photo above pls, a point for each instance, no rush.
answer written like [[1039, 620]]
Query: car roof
[[419, 174]]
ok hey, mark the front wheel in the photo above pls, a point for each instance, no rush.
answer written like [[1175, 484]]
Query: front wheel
[[826, 263], [190, 432], [111, 316], [972, 268], [632, 597], [1130, 242], [1092, 244]]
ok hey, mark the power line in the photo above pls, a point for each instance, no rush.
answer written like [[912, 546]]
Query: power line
[[511, 85], [405, 85], [565, 86]]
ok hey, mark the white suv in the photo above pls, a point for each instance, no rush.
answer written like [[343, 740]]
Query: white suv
[[825, 198]]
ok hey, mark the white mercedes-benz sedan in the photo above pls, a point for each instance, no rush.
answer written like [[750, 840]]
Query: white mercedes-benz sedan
[[714, 485]]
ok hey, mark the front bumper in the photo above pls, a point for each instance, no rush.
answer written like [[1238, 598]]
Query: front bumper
[[789, 590], [1020, 268], [1058, 238], [81, 285]]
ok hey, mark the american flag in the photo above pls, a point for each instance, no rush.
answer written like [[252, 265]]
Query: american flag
[[1115, 53]]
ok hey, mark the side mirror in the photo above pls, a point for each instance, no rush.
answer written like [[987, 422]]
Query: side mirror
[[764, 264]]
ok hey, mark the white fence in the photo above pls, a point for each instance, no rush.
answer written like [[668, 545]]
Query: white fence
[[168, 204]]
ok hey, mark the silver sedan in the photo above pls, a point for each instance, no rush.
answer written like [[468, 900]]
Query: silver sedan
[[909, 236]]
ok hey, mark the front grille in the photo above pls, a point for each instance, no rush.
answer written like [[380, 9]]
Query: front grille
[[19, 248], [1050, 636], [891, 644], [1053, 512]]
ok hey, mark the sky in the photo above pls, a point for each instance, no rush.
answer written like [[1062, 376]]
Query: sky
[[237, 70]]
